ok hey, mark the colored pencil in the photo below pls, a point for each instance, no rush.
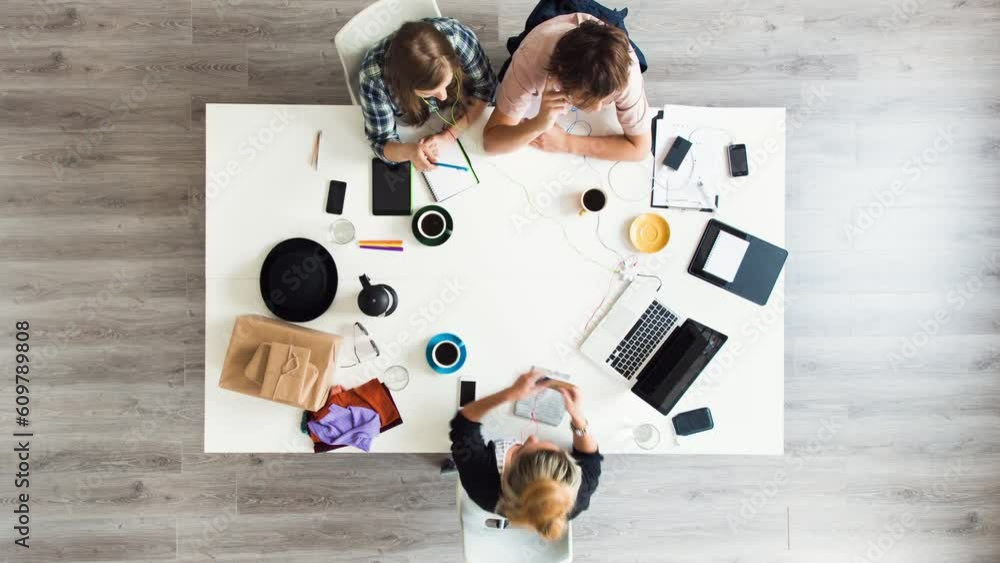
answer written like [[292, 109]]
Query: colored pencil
[[389, 248], [455, 166], [382, 242]]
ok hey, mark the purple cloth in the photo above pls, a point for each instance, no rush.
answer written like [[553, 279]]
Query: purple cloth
[[351, 426]]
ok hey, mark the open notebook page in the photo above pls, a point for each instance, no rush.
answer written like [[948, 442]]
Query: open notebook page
[[446, 182]]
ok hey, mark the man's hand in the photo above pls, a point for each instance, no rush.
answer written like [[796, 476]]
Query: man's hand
[[555, 139], [525, 386], [553, 105], [420, 156]]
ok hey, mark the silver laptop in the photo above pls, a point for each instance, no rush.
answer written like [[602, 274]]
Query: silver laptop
[[631, 332]]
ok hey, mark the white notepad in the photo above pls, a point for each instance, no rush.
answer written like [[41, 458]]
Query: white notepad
[[726, 256], [546, 406], [446, 182]]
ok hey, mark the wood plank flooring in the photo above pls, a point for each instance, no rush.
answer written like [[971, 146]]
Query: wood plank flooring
[[892, 423]]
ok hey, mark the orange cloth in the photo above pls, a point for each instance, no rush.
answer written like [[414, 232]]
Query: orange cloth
[[373, 395]]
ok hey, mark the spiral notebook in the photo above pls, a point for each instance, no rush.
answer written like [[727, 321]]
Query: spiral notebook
[[446, 182]]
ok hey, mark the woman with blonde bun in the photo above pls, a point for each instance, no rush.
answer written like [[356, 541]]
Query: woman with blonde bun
[[535, 484]]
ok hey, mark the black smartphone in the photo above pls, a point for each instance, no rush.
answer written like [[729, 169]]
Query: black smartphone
[[467, 393], [738, 165], [678, 150], [335, 197], [390, 188], [693, 422]]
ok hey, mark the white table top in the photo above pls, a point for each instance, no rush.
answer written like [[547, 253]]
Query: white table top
[[507, 282]]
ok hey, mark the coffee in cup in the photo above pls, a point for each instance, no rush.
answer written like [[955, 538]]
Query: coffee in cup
[[593, 200], [431, 224], [445, 354]]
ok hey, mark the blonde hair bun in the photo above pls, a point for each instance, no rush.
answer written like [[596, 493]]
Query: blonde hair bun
[[546, 503], [539, 491]]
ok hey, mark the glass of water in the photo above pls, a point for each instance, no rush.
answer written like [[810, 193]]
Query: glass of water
[[396, 378], [646, 436], [342, 231]]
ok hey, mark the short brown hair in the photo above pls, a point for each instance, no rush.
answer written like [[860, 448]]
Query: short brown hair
[[591, 62]]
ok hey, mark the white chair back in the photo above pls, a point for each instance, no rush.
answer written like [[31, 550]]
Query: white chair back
[[483, 543], [369, 26]]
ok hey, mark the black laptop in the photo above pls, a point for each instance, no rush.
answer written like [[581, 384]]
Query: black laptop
[[676, 364]]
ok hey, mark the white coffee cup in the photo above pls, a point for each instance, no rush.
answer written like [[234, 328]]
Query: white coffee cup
[[432, 217], [447, 344]]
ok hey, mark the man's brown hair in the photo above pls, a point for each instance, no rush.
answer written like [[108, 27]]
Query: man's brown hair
[[591, 62]]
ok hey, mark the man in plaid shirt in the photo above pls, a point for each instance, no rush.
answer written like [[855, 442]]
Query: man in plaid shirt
[[424, 55]]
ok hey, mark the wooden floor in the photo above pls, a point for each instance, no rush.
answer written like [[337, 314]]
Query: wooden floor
[[893, 319]]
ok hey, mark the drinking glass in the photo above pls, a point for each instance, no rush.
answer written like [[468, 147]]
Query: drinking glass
[[646, 436]]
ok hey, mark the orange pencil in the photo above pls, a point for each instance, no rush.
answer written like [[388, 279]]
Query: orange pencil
[[382, 242]]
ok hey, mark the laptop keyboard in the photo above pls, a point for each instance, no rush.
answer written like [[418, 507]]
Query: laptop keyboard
[[637, 345]]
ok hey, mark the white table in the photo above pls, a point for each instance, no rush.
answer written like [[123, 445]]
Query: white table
[[507, 282]]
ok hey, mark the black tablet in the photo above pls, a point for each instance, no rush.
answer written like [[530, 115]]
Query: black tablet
[[390, 188]]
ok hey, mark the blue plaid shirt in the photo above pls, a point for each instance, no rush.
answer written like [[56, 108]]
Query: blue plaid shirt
[[380, 108]]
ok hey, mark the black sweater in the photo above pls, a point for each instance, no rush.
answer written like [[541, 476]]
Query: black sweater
[[477, 467]]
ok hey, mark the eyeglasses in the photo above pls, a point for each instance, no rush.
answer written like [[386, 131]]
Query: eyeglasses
[[364, 341]]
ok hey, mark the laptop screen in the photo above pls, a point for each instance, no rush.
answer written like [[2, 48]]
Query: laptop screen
[[677, 364]]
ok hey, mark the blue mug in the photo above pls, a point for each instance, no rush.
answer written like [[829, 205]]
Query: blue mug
[[446, 353]]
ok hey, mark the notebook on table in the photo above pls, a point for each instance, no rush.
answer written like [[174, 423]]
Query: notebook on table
[[738, 262], [546, 406], [446, 182]]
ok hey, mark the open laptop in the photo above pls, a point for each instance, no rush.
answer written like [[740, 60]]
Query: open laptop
[[643, 343]]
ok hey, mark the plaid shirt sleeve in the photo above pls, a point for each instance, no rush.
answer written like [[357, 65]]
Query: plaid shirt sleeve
[[474, 61], [377, 107]]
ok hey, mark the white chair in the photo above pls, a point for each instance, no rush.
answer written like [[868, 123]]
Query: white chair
[[486, 540], [369, 26]]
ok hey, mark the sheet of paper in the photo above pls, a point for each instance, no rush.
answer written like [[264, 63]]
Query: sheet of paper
[[726, 256]]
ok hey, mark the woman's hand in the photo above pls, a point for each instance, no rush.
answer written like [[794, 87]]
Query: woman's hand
[[571, 398], [419, 155], [437, 143], [585, 443], [525, 386]]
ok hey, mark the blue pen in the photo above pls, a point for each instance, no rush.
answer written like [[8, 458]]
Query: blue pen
[[455, 166]]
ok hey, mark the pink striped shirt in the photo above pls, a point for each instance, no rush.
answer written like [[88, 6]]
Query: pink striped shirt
[[518, 94]]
